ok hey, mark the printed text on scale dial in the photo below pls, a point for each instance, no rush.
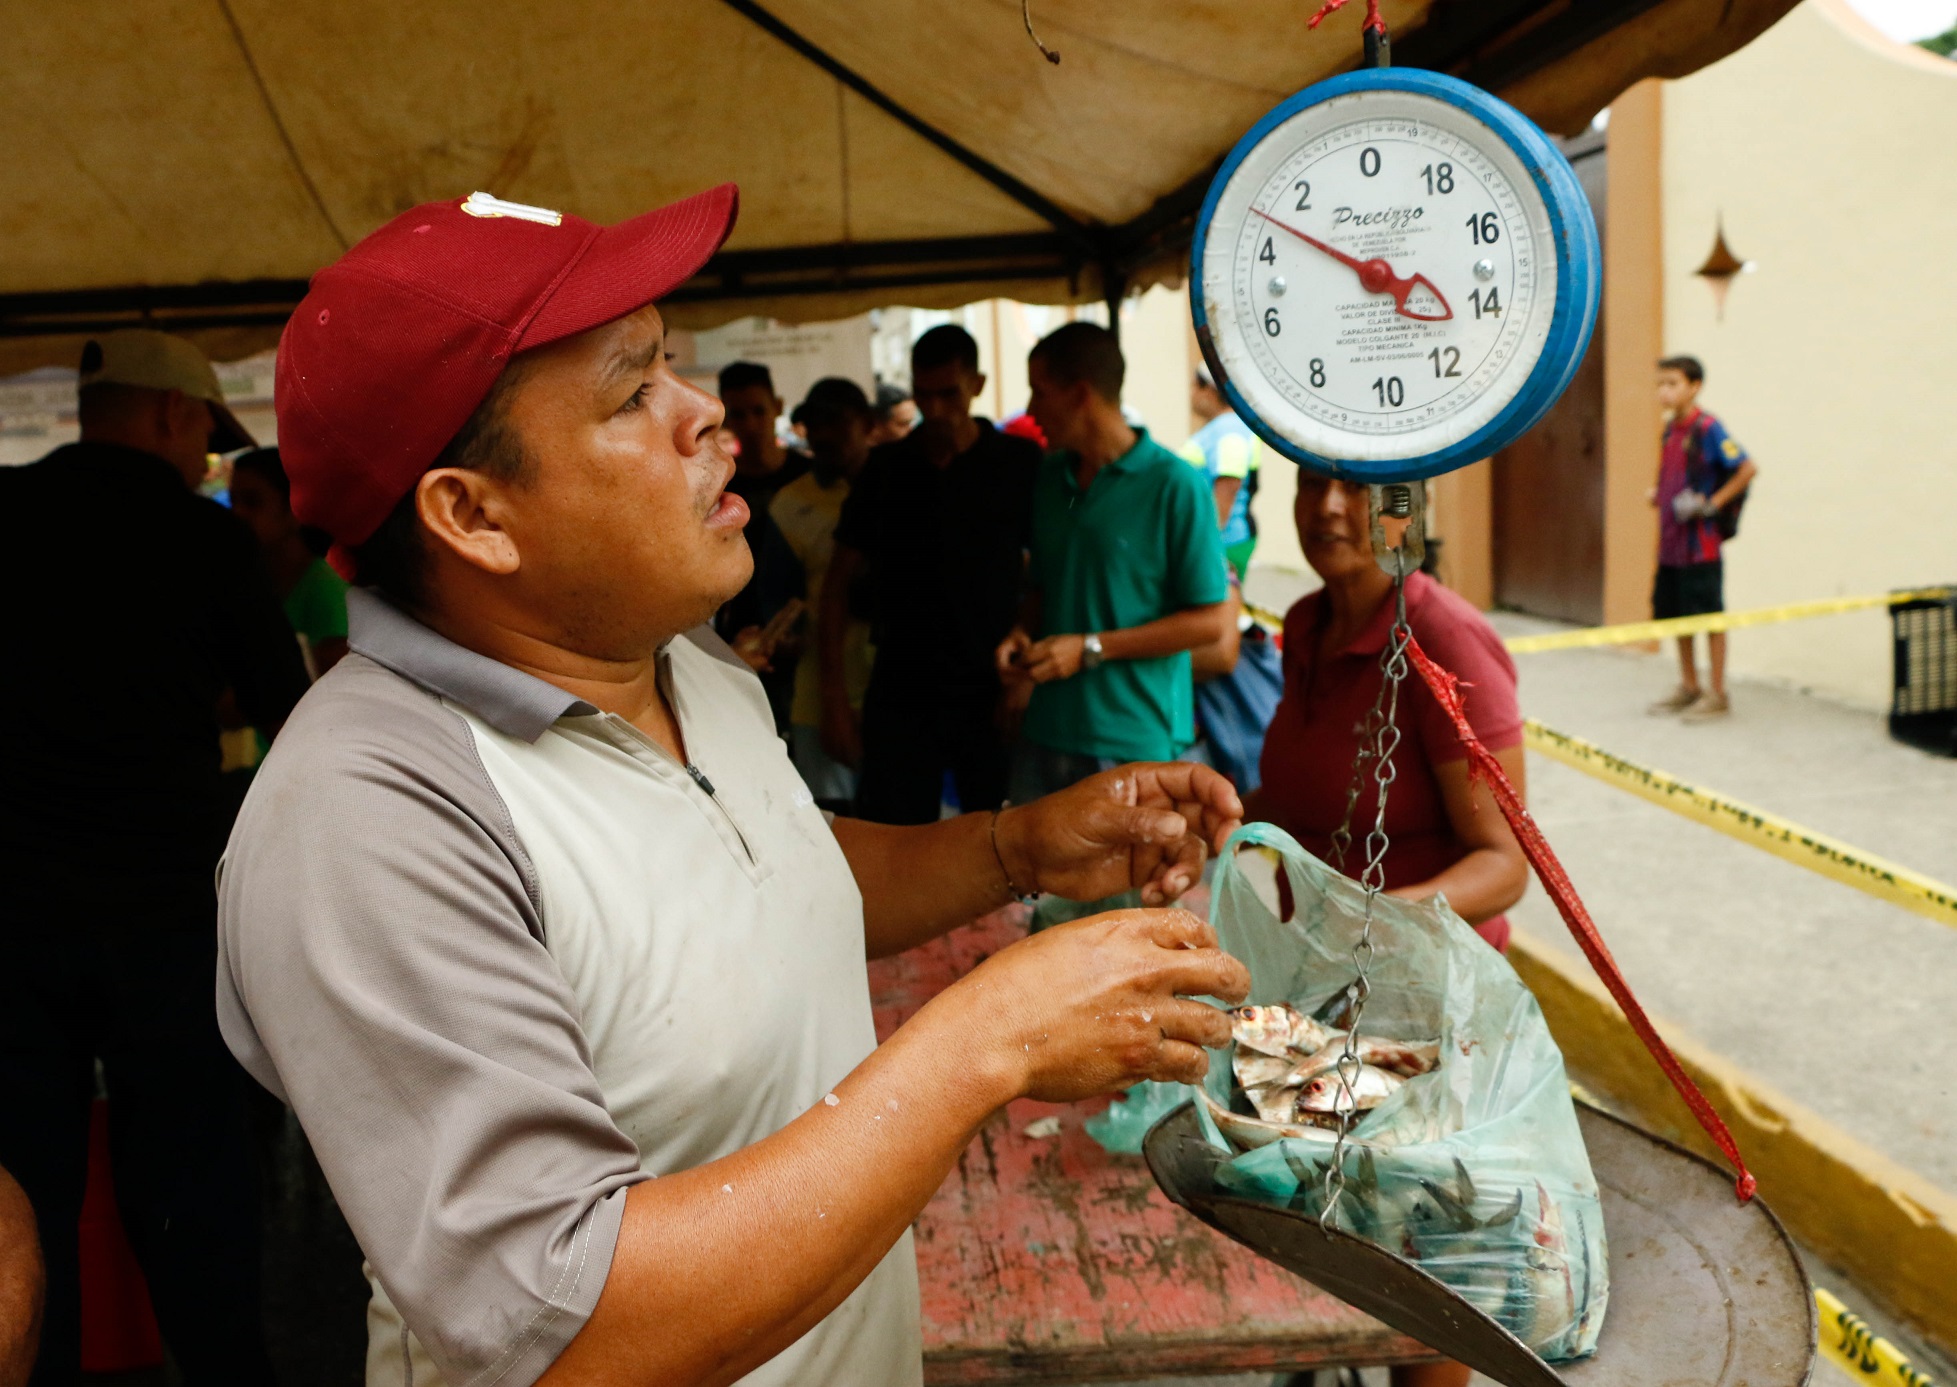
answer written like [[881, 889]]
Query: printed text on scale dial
[[1385, 277]]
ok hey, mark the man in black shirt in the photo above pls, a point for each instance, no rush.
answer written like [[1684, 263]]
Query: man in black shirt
[[135, 604], [761, 468], [941, 520]]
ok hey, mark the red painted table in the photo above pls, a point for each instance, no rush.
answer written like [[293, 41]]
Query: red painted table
[[1045, 1259]]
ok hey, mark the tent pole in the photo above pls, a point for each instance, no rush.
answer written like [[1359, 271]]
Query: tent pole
[[1030, 198]]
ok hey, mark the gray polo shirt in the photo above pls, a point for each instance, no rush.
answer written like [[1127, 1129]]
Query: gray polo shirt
[[506, 957]]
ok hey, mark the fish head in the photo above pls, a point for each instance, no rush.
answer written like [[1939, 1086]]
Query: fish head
[[1265, 1029]]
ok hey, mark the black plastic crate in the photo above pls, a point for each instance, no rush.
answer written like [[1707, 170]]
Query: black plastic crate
[[1924, 710]]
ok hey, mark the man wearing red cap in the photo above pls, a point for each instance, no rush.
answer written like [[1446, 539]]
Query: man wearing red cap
[[528, 907]]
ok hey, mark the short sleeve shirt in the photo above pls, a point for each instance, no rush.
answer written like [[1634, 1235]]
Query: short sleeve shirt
[[506, 957], [1312, 742], [1225, 447], [1140, 543], [946, 551], [1682, 542]]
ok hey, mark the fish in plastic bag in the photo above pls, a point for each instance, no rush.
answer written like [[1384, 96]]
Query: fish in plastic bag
[[1464, 1156]]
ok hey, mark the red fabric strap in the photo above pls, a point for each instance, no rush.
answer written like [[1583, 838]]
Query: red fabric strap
[[1482, 764], [1374, 20]]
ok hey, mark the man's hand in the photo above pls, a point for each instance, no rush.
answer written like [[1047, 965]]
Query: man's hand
[[754, 651], [1010, 657], [1690, 505], [1097, 1005], [756, 645], [1143, 827], [1082, 1009], [1056, 657]]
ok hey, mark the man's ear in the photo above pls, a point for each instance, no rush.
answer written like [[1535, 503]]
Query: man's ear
[[464, 513], [978, 384]]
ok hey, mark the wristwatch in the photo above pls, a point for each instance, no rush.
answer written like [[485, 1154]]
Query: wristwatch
[[1091, 654]]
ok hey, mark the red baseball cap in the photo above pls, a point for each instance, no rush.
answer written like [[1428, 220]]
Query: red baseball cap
[[398, 341]]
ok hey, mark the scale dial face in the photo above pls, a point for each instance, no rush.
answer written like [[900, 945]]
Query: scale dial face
[[1378, 275]]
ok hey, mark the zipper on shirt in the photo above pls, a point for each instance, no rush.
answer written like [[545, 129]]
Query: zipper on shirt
[[693, 772], [699, 777]]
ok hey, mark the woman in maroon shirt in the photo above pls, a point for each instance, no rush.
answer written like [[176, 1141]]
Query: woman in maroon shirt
[[1446, 835]]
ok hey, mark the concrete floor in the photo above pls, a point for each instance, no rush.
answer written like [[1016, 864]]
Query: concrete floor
[[1922, 1356], [1840, 1000]]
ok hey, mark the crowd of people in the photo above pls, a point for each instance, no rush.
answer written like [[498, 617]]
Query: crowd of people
[[535, 789], [947, 613]]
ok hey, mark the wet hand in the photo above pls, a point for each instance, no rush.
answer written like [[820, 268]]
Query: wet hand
[[1100, 1004], [1145, 827]]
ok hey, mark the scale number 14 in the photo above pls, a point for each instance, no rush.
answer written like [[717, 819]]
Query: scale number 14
[[1488, 306]]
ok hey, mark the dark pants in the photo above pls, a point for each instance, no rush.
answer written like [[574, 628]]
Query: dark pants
[[915, 728], [1693, 589], [133, 988]]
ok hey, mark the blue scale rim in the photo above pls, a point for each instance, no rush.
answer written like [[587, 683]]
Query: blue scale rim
[[1579, 271]]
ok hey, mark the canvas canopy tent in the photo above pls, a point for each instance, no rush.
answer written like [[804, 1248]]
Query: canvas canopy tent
[[190, 162]]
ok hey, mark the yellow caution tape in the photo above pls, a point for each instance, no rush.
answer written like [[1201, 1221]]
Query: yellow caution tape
[[1265, 616], [1632, 632], [1768, 832], [1855, 1348], [1635, 631]]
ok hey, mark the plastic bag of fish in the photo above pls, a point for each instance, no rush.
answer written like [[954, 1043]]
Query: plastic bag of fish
[[1464, 1154]]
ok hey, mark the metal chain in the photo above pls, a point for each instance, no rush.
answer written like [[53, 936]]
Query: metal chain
[[1383, 727], [1368, 733]]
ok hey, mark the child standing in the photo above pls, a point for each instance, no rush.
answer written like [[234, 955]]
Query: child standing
[[1703, 474]]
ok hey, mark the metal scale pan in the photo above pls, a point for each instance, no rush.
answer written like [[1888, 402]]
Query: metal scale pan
[[1704, 1291]]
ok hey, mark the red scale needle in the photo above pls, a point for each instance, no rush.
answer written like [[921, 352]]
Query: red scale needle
[[1375, 276]]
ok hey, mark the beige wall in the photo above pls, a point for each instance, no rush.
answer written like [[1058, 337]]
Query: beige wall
[[1154, 338], [1633, 328], [1461, 513], [1827, 150]]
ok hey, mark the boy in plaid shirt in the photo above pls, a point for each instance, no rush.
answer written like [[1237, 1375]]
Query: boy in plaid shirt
[[1703, 475]]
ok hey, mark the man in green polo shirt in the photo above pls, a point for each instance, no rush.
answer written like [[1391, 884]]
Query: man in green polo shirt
[[1127, 577]]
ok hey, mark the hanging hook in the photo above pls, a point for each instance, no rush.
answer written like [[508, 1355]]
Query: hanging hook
[[1379, 51], [1026, 14], [1400, 501]]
